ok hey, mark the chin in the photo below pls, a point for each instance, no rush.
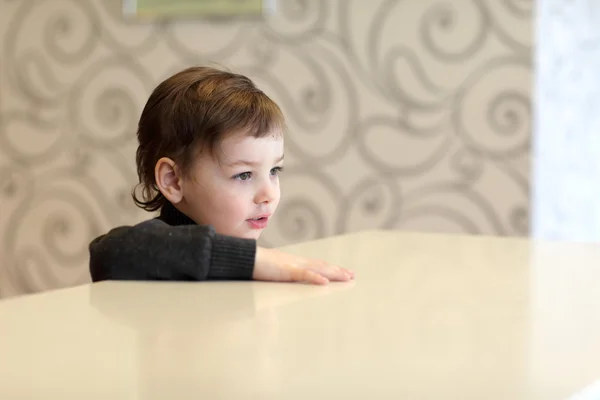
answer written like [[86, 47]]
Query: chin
[[253, 235], [244, 234]]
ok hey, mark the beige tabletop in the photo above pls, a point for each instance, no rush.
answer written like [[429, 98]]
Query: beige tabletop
[[428, 317]]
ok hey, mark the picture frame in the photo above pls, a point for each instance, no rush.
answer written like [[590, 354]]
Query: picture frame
[[170, 9]]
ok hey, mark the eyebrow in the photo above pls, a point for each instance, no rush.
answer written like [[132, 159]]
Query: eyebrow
[[252, 163]]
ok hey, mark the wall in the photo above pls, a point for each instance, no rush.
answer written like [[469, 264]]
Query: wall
[[566, 170], [407, 115]]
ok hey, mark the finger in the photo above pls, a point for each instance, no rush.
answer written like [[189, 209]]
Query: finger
[[345, 272], [348, 273], [332, 272], [306, 275]]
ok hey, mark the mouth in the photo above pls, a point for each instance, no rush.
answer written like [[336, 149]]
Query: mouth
[[259, 222]]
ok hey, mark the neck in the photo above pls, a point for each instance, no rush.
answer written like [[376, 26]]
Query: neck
[[172, 216]]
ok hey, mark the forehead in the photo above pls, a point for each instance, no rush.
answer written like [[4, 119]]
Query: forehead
[[244, 147]]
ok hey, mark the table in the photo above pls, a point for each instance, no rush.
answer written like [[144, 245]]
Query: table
[[428, 317]]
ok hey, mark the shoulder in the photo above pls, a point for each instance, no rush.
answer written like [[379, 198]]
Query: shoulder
[[150, 233]]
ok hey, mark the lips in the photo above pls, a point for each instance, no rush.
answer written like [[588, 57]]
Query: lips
[[259, 222]]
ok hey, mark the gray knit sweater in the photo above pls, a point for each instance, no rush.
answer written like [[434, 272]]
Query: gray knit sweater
[[170, 247]]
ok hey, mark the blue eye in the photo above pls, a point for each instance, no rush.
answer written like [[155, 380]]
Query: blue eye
[[244, 176]]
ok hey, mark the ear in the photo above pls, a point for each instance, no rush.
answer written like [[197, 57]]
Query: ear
[[168, 180]]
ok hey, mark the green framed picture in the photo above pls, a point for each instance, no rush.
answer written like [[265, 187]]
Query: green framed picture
[[198, 8]]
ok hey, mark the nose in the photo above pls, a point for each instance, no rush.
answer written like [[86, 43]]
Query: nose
[[267, 192]]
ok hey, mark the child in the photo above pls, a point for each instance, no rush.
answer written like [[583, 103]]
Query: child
[[209, 155]]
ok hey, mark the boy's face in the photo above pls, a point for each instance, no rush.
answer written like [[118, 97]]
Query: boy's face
[[237, 189]]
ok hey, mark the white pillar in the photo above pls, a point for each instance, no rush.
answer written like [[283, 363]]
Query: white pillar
[[565, 184]]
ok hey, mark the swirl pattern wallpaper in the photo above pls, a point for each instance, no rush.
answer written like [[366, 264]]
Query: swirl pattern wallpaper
[[410, 115]]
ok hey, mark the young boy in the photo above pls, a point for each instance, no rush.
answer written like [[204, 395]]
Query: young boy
[[209, 155]]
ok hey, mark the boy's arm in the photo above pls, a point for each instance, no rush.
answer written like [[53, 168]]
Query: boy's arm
[[154, 250]]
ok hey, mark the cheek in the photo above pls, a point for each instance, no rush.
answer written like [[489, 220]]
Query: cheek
[[276, 201], [232, 203]]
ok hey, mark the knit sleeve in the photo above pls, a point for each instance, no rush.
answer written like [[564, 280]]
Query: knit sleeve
[[154, 250]]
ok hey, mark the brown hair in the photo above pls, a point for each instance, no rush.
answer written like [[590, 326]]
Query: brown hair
[[193, 111]]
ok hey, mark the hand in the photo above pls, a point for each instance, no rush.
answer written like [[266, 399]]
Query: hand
[[275, 265]]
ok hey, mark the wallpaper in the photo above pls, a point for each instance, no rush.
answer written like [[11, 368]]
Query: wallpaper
[[411, 115]]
